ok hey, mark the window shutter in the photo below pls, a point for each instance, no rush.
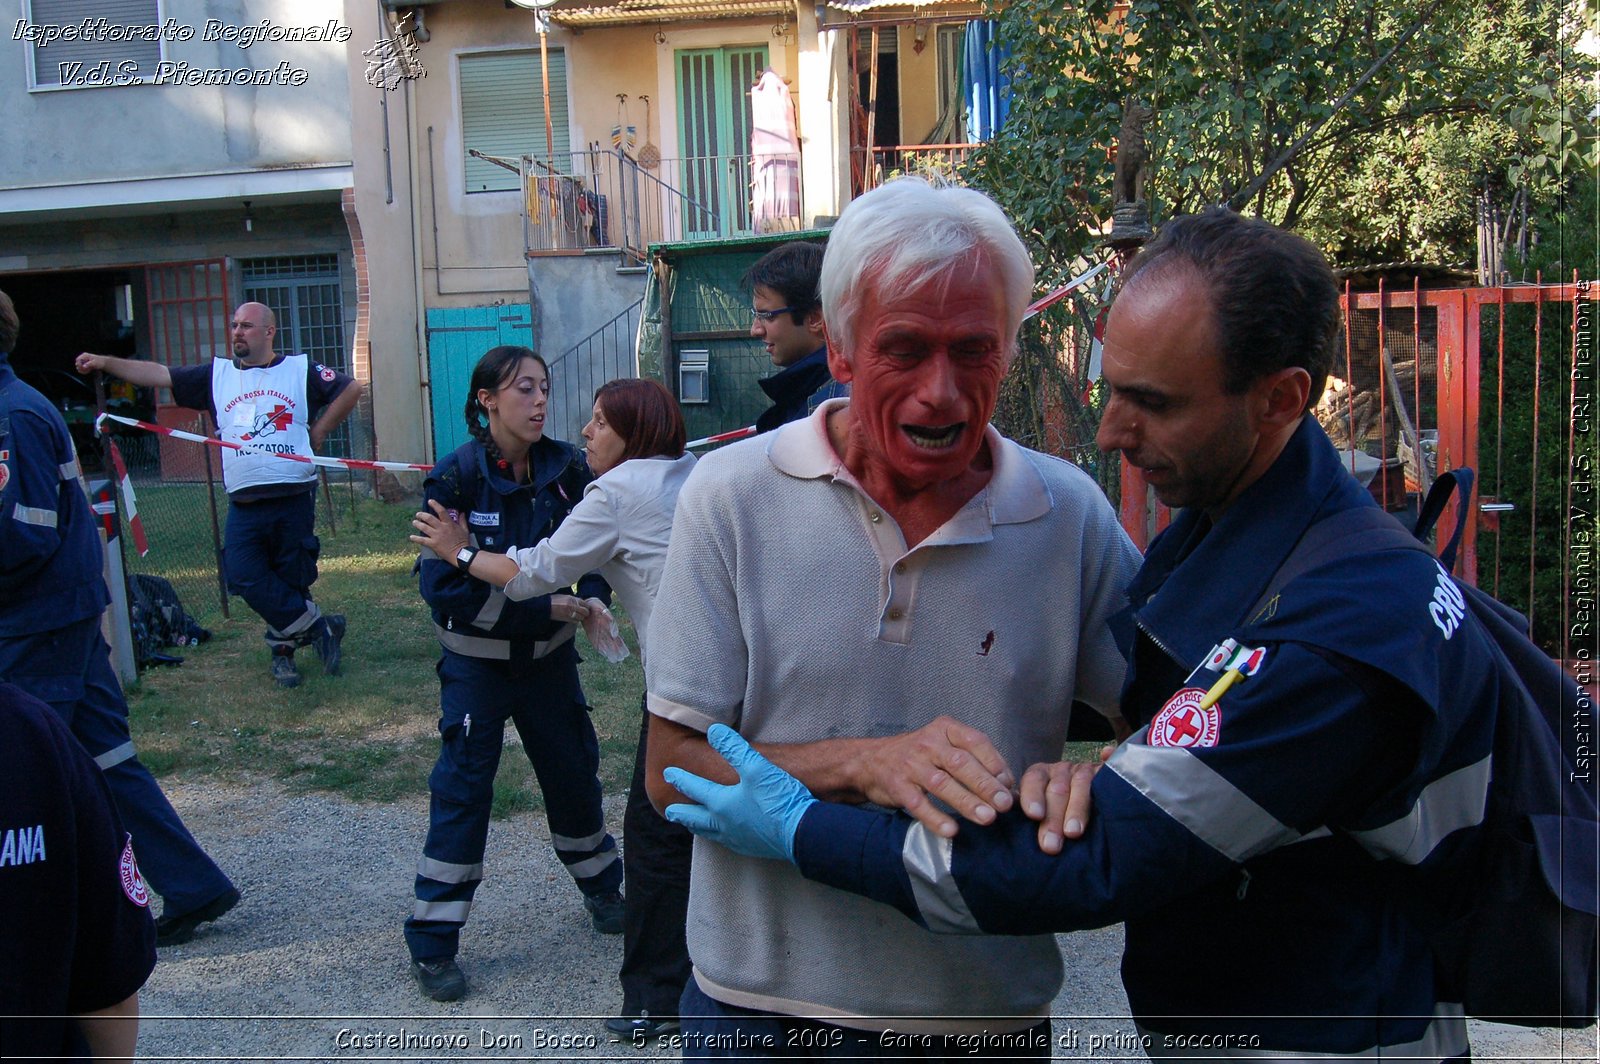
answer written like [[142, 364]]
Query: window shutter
[[502, 113], [48, 60]]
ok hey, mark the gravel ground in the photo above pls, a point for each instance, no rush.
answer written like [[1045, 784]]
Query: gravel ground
[[311, 965]]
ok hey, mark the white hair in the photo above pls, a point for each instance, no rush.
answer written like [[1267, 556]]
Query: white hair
[[907, 232]]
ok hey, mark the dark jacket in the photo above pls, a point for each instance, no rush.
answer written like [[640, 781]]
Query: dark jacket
[[797, 390], [501, 514], [50, 559]]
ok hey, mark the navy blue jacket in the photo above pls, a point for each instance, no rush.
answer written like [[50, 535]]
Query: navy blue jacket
[[50, 560], [77, 934], [797, 390], [1253, 847], [501, 514]]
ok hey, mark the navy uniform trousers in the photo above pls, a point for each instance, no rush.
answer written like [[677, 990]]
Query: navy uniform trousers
[[69, 668], [270, 553], [542, 698]]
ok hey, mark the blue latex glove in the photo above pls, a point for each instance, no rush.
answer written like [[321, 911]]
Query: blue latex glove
[[758, 816]]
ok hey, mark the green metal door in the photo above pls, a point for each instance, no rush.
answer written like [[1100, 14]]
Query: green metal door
[[457, 338], [714, 124]]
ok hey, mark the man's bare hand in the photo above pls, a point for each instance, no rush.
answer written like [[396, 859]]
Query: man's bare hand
[[86, 363], [943, 759], [1057, 796]]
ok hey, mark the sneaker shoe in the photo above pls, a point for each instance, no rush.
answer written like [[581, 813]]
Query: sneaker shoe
[[284, 674], [605, 911], [440, 980], [327, 642], [176, 929], [641, 1028]]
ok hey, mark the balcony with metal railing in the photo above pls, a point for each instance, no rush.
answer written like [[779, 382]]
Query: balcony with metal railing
[[608, 199], [878, 164]]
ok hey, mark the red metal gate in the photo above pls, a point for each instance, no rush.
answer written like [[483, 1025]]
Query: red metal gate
[[1512, 396], [188, 318]]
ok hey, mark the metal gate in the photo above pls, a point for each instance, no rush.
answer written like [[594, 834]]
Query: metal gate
[[1501, 380], [304, 294]]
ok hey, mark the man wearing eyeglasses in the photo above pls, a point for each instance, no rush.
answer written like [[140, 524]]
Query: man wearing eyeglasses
[[269, 405], [786, 316]]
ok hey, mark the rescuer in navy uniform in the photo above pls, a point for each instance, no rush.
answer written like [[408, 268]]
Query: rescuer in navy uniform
[[52, 593], [75, 933], [502, 660], [269, 404]]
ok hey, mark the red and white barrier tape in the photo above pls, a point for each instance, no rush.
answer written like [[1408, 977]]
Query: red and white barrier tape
[[332, 463], [1059, 294], [722, 437], [129, 503]]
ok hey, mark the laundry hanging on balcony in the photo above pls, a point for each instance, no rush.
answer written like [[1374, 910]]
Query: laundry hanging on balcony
[[775, 157], [988, 88]]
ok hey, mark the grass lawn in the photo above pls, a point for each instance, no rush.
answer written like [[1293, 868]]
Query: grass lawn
[[370, 733]]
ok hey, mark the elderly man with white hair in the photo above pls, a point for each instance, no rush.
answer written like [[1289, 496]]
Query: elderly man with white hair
[[898, 605]]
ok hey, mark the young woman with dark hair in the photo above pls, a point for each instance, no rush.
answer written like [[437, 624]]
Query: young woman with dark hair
[[634, 444], [503, 658]]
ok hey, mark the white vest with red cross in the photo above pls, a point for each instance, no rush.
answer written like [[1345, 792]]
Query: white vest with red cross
[[265, 411]]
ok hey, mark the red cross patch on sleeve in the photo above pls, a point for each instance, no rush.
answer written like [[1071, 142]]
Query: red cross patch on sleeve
[[133, 884], [1182, 721]]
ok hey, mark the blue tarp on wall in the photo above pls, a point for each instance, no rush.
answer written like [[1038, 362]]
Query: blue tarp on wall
[[988, 90]]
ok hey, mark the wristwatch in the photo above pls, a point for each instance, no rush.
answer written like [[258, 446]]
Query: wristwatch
[[464, 558]]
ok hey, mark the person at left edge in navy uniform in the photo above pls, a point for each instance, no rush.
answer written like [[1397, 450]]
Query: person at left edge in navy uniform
[[269, 404], [52, 593], [786, 316], [502, 659], [76, 934]]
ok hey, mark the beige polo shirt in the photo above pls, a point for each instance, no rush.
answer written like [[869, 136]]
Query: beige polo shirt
[[792, 610]]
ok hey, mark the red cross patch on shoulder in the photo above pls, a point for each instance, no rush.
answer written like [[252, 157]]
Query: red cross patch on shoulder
[[1182, 722], [133, 884], [326, 374]]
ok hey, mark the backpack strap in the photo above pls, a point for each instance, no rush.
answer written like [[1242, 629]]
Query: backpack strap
[[1346, 534], [1367, 529], [1433, 508]]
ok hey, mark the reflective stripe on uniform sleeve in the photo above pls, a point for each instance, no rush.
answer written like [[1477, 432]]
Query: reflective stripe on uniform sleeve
[[34, 515], [115, 756], [69, 470], [927, 858], [1444, 1039], [445, 872], [1192, 793], [1447, 804]]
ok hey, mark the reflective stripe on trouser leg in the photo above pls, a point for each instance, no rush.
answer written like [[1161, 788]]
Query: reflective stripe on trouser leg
[[270, 554], [559, 740], [173, 863], [461, 792]]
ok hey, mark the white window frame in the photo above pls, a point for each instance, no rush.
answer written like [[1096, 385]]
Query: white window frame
[[31, 50]]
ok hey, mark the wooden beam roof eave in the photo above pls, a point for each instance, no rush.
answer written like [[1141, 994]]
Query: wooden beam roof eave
[[584, 14]]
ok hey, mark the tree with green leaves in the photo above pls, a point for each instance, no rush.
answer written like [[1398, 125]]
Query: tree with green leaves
[[1372, 127]]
